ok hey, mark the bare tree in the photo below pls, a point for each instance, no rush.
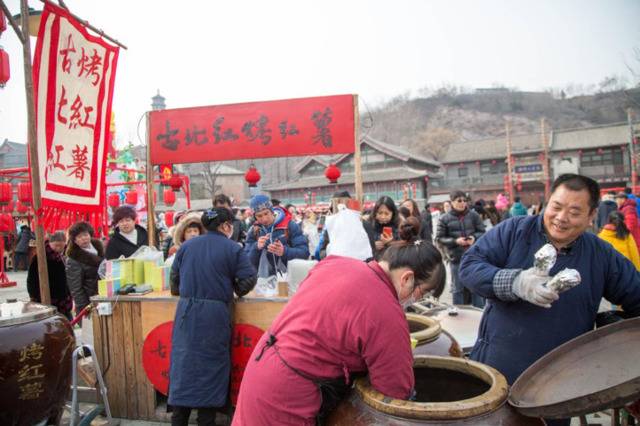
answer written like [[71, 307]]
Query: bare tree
[[435, 142], [210, 172]]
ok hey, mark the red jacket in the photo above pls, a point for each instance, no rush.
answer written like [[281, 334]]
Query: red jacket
[[628, 209], [345, 318]]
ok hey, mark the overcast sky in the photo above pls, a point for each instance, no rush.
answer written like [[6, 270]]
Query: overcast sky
[[216, 52]]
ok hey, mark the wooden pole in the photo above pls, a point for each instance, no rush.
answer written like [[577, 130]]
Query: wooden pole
[[545, 160], [509, 163], [43, 275], [357, 160], [633, 161], [151, 218]]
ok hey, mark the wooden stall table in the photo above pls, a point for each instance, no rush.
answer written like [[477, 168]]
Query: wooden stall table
[[119, 339]]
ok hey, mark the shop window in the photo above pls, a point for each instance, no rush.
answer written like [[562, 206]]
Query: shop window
[[463, 172]]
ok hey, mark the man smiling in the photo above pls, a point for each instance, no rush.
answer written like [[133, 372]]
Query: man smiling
[[523, 319]]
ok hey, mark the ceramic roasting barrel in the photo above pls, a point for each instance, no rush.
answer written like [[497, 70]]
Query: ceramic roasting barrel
[[450, 391], [36, 345], [432, 339]]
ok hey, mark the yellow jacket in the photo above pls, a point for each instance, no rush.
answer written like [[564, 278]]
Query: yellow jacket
[[626, 247]]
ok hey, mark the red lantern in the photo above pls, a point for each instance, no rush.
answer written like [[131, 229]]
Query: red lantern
[[169, 197], [113, 200], [8, 208], [6, 223], [600, 151], [174, 182], [6, 193], [493, 162], [3, 22], [24, 192], [131, 197], [168, 217], [332, 172], [22, 208], [252, 176], [5, 71]]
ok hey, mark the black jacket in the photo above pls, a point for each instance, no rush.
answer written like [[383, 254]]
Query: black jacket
[[426, 226], [24, 237], [82, 272], [119, 245], [454, 225], [57, 277]]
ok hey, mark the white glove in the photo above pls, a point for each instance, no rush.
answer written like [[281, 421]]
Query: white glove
[[529, 286]]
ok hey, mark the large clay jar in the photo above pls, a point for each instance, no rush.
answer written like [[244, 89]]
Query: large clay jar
[[36, 345], [450, 391], [432, 339]]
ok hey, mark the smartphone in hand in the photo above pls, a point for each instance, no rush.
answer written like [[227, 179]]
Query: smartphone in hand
[[387, 231]]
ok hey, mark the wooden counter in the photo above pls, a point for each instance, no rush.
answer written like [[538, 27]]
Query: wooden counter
[[119, 338]]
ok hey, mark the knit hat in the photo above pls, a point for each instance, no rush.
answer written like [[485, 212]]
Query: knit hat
[[260, 202]]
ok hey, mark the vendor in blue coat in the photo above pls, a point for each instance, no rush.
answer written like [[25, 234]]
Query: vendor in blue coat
[[207, 270], [523, 320], [274, 234]]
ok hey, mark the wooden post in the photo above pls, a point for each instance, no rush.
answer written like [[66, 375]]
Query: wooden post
[[357, 161], [633, 161], [32, 142], [509, 166], [151, 218], [545, 160]]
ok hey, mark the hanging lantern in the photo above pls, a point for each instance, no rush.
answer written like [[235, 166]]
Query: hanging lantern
[[168, 217], [5, 71], [493, 162], [3, 22], [169, 197], [252, 176], [600, 151], [6, 223], [22, 208], [24, 192], [6, 193], [113, 200], [580, 152], [332, 172], [174, 182], [131, 197], [8, 208]]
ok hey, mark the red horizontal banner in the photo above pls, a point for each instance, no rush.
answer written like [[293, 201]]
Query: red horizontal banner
[[285, 128]]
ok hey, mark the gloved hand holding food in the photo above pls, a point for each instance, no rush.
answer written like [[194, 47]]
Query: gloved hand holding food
[[530, 286]]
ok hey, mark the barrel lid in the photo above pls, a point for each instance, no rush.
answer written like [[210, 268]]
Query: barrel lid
[[594, 371], [14, 312]]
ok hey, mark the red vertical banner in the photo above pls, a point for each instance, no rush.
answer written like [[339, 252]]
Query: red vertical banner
[[74, 74]]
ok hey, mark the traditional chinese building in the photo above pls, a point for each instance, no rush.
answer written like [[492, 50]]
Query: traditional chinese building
[[386, 170], [480, 166], [13, 154]]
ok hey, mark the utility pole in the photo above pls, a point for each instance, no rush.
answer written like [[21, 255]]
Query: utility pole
[[545, 160], [633, 161], [509, 163]]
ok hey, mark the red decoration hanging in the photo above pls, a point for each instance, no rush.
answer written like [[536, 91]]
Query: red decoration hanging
[[3, 22], [22, 208], [600, 151], [5, 71], [252, 176], [175, 182], [6, 223], [332, 172], [493, 162], [131, 197], [113, 200], [8, 208], [169, 197], [6, 193], [168, 217], [24, 192]]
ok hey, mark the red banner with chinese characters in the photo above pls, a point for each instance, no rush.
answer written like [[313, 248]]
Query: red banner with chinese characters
[[284, 128], [74, 73]]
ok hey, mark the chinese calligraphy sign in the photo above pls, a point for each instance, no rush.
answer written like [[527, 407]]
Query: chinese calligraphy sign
[[294, 127], [245, 337], [156, 352], [74, 75]]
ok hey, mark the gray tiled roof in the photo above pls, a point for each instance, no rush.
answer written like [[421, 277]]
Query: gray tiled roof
[[487, 149], [592, 137], [395, 173]]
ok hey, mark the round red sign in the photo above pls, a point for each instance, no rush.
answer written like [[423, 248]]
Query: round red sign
[[245, 338], [156, 352]]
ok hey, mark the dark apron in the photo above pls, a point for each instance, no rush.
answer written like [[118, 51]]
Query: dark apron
[[332, 391]]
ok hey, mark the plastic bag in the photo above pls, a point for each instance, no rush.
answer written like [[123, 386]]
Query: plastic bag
[[267, 285], [347, 236], [148, 253]]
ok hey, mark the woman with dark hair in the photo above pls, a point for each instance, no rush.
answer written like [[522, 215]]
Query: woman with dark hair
[[207, 270], [127, 236], [382, 227], [425, 220], [616, 233], [346, 319], [84, 256], [60, 296]]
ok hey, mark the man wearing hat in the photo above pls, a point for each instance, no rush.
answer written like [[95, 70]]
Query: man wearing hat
[[276, 232]]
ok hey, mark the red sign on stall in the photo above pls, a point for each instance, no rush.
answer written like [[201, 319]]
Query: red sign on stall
[[284, 128], [244, 340], [156, 354]]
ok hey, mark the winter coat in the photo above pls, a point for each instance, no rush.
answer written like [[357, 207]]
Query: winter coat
[[426, 226], [454, 225], [625, 246], [374, 232], [26, 235], [59, 291], [294, 242], [205, 273], [178, 230], [330, 330], [82, 272], [119, 245], [628, 209], [513, 333], [518, 209], [605, 207]]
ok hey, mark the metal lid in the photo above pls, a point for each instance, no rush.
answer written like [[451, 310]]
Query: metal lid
[[15, 312], [597, 370]]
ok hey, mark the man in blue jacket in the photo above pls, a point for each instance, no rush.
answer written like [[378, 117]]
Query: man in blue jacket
[[523, 320], [275, 232]]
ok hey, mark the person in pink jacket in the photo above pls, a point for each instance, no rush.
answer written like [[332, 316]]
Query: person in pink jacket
[[627, 206], [347, 318]]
